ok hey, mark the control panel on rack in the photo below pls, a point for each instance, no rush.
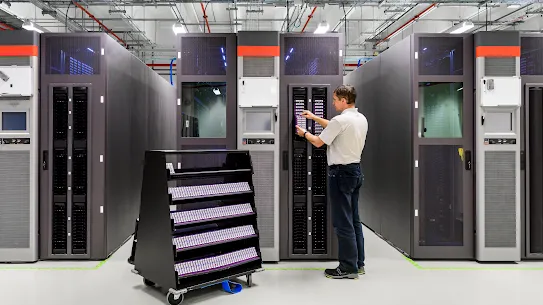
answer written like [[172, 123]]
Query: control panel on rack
[[500, 141], [258, 141]]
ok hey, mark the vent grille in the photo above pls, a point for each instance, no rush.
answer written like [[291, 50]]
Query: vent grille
[[505, 66], [319, 229], [15, 199], [73, 55], [263, 181], [258, 66], [500, 208], [311, 56], [299, 229], [203, 56], [15, 61]]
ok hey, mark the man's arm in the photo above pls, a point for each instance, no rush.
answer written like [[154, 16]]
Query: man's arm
[[327, 136], [321, 121], [313, 139]]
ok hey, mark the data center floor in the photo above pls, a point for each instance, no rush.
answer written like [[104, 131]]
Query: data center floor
[[390, 279]]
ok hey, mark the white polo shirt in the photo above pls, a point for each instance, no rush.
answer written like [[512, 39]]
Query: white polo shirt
[[345, 136]]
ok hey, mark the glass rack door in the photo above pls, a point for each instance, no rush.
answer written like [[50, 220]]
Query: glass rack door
[[443, 148]]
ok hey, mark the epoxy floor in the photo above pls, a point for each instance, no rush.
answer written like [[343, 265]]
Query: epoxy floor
[[390, 279]]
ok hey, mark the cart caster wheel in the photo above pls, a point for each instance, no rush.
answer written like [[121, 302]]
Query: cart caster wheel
[[175, 299], [249, 280], [148, 283]]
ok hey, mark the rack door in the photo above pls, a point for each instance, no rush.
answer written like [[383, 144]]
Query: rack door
[[443, 147]]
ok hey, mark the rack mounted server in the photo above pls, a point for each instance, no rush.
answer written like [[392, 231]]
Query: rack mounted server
[[101, 109], [310, 70]]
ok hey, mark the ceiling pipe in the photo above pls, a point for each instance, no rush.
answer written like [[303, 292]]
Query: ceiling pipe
[[205, 16], [5, 26], [100, 23], [417, 16], [309, 18]]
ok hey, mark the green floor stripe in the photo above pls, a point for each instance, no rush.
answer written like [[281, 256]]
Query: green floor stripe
[[7, 267]]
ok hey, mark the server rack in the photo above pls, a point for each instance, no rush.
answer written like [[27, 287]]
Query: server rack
[[416, 148], [531, 142], [19, 138], [205, 63], [311, 68], [100, 109], [258, 127]]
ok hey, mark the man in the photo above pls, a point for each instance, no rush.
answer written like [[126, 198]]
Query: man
[[345, 136]]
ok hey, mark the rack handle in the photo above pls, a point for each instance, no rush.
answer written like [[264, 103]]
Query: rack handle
[[44, 161]]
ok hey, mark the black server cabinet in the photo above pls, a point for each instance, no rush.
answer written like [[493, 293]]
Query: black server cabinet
[[101, 108], [311, 67], [309, 222]]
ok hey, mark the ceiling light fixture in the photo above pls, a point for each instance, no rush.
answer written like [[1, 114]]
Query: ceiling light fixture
[[31, 26], [178, 28], [462, 27], [216, 91], [322, 28], [513, 6]]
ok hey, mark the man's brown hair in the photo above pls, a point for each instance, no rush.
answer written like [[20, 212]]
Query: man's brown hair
[[347, 92]]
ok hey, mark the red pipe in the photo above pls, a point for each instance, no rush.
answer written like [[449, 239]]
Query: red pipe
[[205, 16], [100, 23], [406, 24], [160, 65], [6, 26], [309, 18], [168, 65]]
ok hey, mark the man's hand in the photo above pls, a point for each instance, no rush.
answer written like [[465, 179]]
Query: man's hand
[[300, 131], [308, 115]]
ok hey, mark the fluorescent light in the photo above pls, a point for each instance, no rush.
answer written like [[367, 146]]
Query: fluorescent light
[[462, 27], [216, 91], [178, 28], [31, 26], [513, 6], [322, 28], [90, 50]]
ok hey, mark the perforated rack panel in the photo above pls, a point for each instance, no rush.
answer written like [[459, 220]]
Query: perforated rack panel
[[213, 237], [216, 263], [70, 170], [79, 169], [60, 171], [318, 174], [299, 175], [309, 175], [211, 214]]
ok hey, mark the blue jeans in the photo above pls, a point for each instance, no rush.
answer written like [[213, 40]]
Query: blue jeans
[[344, 183]]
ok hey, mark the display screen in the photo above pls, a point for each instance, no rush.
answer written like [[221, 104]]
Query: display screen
[[258, 121], [13, 120]]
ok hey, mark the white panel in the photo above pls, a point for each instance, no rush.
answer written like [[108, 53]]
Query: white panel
[[258, 92], [16, 81], [501, 92]]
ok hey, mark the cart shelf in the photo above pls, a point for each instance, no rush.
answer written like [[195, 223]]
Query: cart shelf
[[213, 238], [209, 191], [211, 214], [216, 263]]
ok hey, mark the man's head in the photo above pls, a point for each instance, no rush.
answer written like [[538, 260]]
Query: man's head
[[344, 97]]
